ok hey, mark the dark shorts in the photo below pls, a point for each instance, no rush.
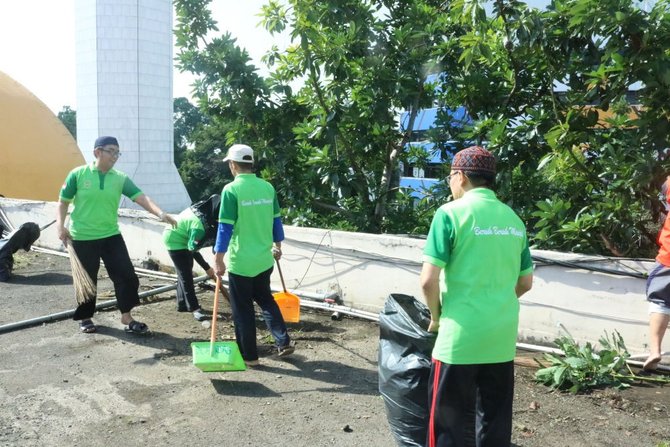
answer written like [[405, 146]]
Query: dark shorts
[[658, 286]]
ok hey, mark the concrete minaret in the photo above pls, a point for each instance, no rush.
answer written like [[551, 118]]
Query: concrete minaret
[[124, 89]]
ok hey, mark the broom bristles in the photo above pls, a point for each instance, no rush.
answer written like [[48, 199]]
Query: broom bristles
[[84, 287]]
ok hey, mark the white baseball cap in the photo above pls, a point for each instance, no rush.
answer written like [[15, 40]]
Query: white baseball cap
[[240, 153]]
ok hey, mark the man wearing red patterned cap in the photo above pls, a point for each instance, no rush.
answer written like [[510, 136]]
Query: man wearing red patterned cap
[[481, 245]]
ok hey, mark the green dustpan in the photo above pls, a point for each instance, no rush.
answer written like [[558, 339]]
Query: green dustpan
[[211, 356], [217, 356]]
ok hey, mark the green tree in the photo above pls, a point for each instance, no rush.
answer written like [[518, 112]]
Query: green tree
[[68, 117], [536, 84], [584, 182], [361, 62], [241, 107], [187, 120], [335, 144]]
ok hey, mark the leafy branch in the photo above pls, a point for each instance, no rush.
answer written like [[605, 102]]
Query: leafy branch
[[582, 368]]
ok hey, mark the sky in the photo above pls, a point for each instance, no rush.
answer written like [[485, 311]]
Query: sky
[[37, 44]]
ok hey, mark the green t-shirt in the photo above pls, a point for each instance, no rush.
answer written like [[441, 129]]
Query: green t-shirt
[[482, 246], [187, 234], [250, 205], [96, 198]]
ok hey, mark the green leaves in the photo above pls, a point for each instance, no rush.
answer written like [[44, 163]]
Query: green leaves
[[68, 117], [274, 17], [548, 91], [582, 368], [194, 22]]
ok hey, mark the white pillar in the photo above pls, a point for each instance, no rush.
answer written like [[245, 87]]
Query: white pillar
[[124, 89]]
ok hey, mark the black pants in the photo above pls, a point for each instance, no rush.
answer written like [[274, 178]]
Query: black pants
[[458, 389], [244, 290], [114, 253], [187, 300]]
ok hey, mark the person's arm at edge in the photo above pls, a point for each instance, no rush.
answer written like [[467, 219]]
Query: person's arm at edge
[[224, 234], [197, 257], [61, 215], [277, 237], [430, 285], [523, 284], [145, 202]]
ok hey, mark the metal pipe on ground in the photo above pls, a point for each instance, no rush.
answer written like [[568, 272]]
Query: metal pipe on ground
[[311, 296], [69, 313], [155, 273], [338, 309], [524, 346], [158, 274], [556, 351], [644, 356], [139, 271]]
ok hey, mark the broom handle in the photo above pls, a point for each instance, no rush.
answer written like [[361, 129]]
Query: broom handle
[[42, 228], [215, 313], [281, 276]]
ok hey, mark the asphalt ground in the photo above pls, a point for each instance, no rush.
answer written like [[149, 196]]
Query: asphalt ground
[[60, 387]]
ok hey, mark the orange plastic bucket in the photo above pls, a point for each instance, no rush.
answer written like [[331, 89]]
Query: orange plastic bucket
[[289, 305]]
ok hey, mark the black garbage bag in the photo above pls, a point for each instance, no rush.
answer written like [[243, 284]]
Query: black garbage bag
[[405, 347], [23, 238], [208, 212]]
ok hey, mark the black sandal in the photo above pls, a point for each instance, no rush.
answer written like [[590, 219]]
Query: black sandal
[[87, 326], [136, 327]]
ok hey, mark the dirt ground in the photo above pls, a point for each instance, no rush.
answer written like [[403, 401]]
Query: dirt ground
[[59, 387]]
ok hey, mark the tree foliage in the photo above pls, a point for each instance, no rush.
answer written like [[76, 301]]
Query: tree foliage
[[187, 121], [68, 117], [549, 91]]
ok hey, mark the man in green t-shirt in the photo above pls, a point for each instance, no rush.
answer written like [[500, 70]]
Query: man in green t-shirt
[[250, 234], [481, 246], [95, 190]]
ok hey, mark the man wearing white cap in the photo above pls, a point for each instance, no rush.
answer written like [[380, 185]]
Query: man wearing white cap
[[250, 232]]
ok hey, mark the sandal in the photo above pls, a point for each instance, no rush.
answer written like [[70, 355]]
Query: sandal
[[87, 326], [136, 327], [651, 364]]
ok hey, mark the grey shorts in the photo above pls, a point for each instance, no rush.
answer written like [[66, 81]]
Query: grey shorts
[[658, 289]]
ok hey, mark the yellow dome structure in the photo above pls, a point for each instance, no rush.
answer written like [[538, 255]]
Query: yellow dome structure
[[36, 149]]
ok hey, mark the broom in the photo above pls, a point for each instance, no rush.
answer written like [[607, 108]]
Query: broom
[[84, 288]]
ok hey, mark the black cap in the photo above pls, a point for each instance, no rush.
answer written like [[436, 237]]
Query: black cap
[[104, 141]]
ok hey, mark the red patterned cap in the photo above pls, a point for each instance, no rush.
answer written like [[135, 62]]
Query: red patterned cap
[[474, 159]]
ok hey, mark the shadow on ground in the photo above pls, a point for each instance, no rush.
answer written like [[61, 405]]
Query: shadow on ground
[[42, 279]]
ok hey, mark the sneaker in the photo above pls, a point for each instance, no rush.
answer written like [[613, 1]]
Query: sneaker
[[286, 350], [199, 315], [252, 363]]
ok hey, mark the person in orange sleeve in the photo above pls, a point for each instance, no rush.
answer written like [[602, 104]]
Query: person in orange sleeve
[[658, 289]]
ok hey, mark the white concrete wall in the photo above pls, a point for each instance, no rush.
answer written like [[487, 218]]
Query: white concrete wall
[[124, 89], [87, 77], [586, 303], [366, 268]]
